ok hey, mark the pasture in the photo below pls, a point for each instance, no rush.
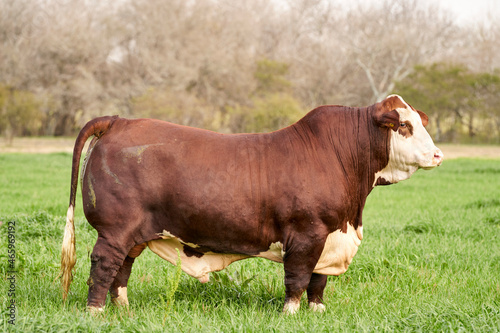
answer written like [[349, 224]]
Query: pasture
[[429, 261]]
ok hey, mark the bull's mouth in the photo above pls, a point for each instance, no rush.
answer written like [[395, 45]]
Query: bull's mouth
[[436, 161]]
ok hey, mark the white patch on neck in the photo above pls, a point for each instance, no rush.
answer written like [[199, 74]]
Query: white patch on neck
[[396, 170], [339, 250]]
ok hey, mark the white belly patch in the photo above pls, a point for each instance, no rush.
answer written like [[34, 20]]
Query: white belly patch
[[196, 267], [275, 252], [337, 254]]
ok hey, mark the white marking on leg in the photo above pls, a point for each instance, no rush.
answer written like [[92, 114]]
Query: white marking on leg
[[122, 298], [291, 307], [95, 310], [317, 307]]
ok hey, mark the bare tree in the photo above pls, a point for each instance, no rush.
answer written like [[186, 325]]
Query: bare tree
[[193, 62], [389, 39]]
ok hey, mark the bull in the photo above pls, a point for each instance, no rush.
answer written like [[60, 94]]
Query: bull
[[294, 196]]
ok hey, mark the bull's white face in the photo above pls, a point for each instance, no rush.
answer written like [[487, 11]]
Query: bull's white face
[[411, 147]]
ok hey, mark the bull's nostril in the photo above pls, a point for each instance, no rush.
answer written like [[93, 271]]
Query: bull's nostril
[[438, 156]]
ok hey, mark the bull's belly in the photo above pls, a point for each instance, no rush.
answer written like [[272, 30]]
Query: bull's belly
[[197, 267], [337, 254]]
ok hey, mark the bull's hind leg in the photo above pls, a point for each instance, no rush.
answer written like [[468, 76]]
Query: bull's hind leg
[[315, 292], [106, 260], [118, 290]]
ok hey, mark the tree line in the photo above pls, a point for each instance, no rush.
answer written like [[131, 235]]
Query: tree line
[[242, 66]]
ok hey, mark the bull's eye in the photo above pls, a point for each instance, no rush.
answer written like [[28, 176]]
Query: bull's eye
[[406, 129]]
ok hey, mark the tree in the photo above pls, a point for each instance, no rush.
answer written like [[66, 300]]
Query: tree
[[390, 38], [457, 99], [19, 113], [214, 60], [179, 107], [272, 106], [486, 87]]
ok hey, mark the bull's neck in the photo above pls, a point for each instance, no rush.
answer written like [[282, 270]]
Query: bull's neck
[[349, 141]]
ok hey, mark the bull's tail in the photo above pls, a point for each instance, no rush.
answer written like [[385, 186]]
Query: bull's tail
[[96, 127]]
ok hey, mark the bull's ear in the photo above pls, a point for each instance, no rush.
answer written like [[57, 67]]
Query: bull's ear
[[389, 119], [424, 117], [386, 114]]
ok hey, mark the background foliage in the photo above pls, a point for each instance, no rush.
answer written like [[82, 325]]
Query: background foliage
[[236, 66]]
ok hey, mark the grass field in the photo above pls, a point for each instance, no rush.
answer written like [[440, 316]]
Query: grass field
[[429, 261]]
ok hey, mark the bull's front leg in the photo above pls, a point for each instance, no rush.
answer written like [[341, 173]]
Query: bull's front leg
[[300, 261]]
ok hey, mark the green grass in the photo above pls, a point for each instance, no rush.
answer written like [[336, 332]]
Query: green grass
[[429, 261]]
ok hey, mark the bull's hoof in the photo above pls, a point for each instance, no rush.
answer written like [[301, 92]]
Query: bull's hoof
[[317, 307], [95, 310], [117, 301], [291, 307]]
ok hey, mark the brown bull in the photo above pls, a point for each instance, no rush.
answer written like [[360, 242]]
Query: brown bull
[[294, 196]]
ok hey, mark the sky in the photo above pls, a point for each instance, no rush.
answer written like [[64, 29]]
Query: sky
[[468, 11], [465, 11]]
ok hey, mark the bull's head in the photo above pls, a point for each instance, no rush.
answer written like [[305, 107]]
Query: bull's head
[[411, 146]]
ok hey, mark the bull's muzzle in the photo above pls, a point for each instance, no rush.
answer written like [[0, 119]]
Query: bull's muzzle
[[438, 157], [432, 160]]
